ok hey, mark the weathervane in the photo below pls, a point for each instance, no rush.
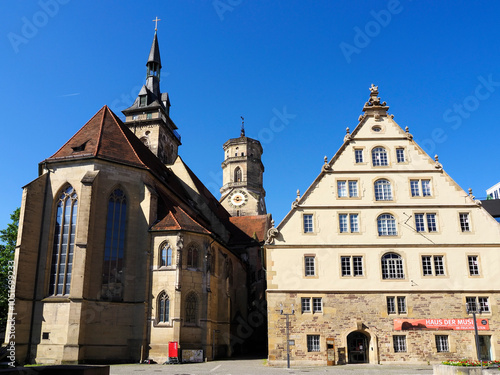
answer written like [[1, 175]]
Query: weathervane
[[242, 134], [156, 22]]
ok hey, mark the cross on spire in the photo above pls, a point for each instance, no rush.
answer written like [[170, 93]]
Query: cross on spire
[[156, 22]]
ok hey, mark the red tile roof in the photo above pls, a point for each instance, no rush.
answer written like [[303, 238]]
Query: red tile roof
[[253, 226]]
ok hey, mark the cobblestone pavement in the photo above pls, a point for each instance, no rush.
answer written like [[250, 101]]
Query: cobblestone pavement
[[259, 367]]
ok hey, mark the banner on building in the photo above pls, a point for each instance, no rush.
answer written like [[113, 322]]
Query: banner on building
[[440, 324]]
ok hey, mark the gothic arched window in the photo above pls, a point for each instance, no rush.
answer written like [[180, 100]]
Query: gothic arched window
[[163, 308], [64, 242], [379, 156], [165, 255], [392, 266], [192, 256], [191, 308], [383, 190], [114, 246], [237, 174]]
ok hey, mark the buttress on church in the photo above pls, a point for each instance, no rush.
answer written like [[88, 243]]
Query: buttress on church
[[122, 249]]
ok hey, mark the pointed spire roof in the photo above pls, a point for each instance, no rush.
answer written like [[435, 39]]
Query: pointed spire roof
[[154, 53]]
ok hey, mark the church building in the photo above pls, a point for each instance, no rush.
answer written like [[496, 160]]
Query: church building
[[122, 249], [383, 259]]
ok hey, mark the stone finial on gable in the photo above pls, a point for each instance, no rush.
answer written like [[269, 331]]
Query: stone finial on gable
[[271, 234], [326, 166], [295, 203], [408, 134], [347, 136], [437, 164], [374, 105]]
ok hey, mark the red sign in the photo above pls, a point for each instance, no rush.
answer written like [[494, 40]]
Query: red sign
[[440, 324], [172, 349]]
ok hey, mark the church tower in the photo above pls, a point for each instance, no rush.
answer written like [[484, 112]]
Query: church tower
[[149, 116], [242, 193]]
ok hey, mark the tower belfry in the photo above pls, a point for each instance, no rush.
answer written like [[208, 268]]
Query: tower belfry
[[242, 193], [149, 116]]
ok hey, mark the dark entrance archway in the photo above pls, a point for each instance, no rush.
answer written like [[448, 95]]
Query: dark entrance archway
[[357, 346]]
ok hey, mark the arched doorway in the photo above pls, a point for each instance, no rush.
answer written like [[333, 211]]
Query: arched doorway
[[357, 346]]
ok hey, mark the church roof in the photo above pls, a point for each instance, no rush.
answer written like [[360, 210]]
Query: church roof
[[105, 137], [253, 226]]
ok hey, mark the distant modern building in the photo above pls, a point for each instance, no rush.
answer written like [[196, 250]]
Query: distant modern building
[[493, 192], [492, 202], [383, 258]]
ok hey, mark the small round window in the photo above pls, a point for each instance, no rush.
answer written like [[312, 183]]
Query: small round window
[[376, 128]]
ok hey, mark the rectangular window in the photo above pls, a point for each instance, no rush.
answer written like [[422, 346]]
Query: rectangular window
[[431, 222], [306, 305], [343, 223], [310, 267], [399, 343], [317, 305], [419, 222], [464, 222], [432, 265], [420, 188], [313, 343], [400, 155], [358, 155], [426, 222], [344, 187], [473, 265], [348, 222], [442, 343], [353, 189], [353, 218], [396, 305], [477, 304], [341, 189], [308, 223], [351, 266]]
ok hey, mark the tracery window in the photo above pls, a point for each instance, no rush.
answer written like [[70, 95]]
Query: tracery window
[[165, 255], [64, 242], [114, 246], [191, 308], [163, 308], [237, 174], [192, 256]]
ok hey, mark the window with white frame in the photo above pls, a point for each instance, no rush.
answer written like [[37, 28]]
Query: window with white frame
[[400, 155], [379, 157], [358, 155], [313, 343], [351, 266], [442, 344], [396, 305], [348, 223], [317, 304], [399, 342], [473, 261], [420, 188], [477, 304], [386, 225], [426, 222], [383, 191], [392, 266], [310, 265], [347, 188], [306, 305], [308, 223], [433, 265], [464, 222]]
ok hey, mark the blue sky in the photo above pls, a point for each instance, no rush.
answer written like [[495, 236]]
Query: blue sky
[[297, 70]]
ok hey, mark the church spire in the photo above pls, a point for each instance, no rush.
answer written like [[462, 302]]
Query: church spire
[[154, 65]]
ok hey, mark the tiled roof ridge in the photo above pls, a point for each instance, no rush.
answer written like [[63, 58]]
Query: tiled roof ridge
[[190, 217], [74, 135], [117, 122], [101, 127]]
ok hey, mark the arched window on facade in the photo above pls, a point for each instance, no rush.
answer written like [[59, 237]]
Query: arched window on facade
[[237, 174], [165, 255], [114, 246], [392, 266], [192, 256], [64, 242], [383, 191], [163, 308], [379, 156], [386, 225], [191, 309]]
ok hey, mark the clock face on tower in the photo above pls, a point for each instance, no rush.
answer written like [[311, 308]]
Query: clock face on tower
[[238, 198]]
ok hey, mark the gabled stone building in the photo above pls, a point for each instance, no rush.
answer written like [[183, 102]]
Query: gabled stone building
[[122, 249], [382, 258]]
